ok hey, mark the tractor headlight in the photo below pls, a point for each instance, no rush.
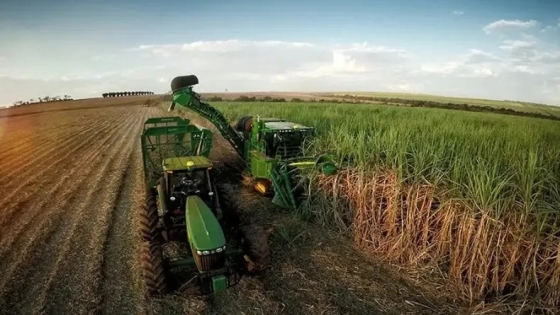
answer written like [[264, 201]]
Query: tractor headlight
[[213, 251]]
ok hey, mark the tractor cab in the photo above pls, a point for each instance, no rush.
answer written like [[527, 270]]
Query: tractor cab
[[283, 138], [184, 177], [275, 137]]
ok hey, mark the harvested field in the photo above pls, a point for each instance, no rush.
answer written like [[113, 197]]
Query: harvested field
[[75, 105], [71, 181]]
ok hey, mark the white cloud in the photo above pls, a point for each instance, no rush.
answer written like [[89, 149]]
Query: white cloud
[[513, 45], [505, 25], [525, 69], [549, 58], [476, 56], [551, 28], [475, 63], [520, 50], [458, 12], [518, 68]]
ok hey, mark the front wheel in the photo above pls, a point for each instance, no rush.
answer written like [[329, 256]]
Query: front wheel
[[255, 246]]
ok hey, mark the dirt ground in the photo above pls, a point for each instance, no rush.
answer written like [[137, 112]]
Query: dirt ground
[[70, 185]]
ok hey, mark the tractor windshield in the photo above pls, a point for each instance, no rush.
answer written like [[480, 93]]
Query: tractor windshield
[[187, 183], [285, 144], [191, 182]]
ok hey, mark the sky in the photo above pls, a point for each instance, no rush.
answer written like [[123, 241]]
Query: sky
[[483, 49]]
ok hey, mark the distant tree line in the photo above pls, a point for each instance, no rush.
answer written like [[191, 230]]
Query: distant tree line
[[46, 99], [454, 106], [131, 93]]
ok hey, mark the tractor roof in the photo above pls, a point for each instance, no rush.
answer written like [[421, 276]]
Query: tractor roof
[[284, 125], [186, 163]]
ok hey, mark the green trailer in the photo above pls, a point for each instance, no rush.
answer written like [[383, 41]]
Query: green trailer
[[165, 137], [186, 205]]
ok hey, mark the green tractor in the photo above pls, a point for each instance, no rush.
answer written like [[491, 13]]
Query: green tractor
[[186, 205], [271, 148]]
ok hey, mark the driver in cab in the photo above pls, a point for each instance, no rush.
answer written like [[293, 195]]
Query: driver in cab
[[189, 185]]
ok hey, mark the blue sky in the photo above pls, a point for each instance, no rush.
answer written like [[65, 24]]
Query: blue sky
[[491, 49]]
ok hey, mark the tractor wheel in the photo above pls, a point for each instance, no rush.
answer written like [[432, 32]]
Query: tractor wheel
[[149, 217], [183, 81], [244, 123], [255, 245], [230, 214], [153, 271]]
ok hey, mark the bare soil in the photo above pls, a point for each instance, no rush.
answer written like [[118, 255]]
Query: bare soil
[[89, 103], [71, 181]]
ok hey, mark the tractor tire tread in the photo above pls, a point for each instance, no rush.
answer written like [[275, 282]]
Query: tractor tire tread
[[153, 271], [229, 209], [149, 217]]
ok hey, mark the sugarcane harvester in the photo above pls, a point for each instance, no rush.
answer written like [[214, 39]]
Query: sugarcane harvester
[[271, 148], [187, 205]]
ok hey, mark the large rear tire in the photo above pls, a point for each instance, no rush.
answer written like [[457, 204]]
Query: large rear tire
[[153, 271], [149, 217], [255, 245], [244, 124], [230, 213]]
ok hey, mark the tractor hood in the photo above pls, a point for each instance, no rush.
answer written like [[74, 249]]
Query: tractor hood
[[203, 229]]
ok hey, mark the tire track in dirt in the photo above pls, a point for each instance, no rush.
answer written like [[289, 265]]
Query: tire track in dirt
[[117, 294], [46, 149], [12, 203], [83, 247], [60, 207], [116, 219]]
